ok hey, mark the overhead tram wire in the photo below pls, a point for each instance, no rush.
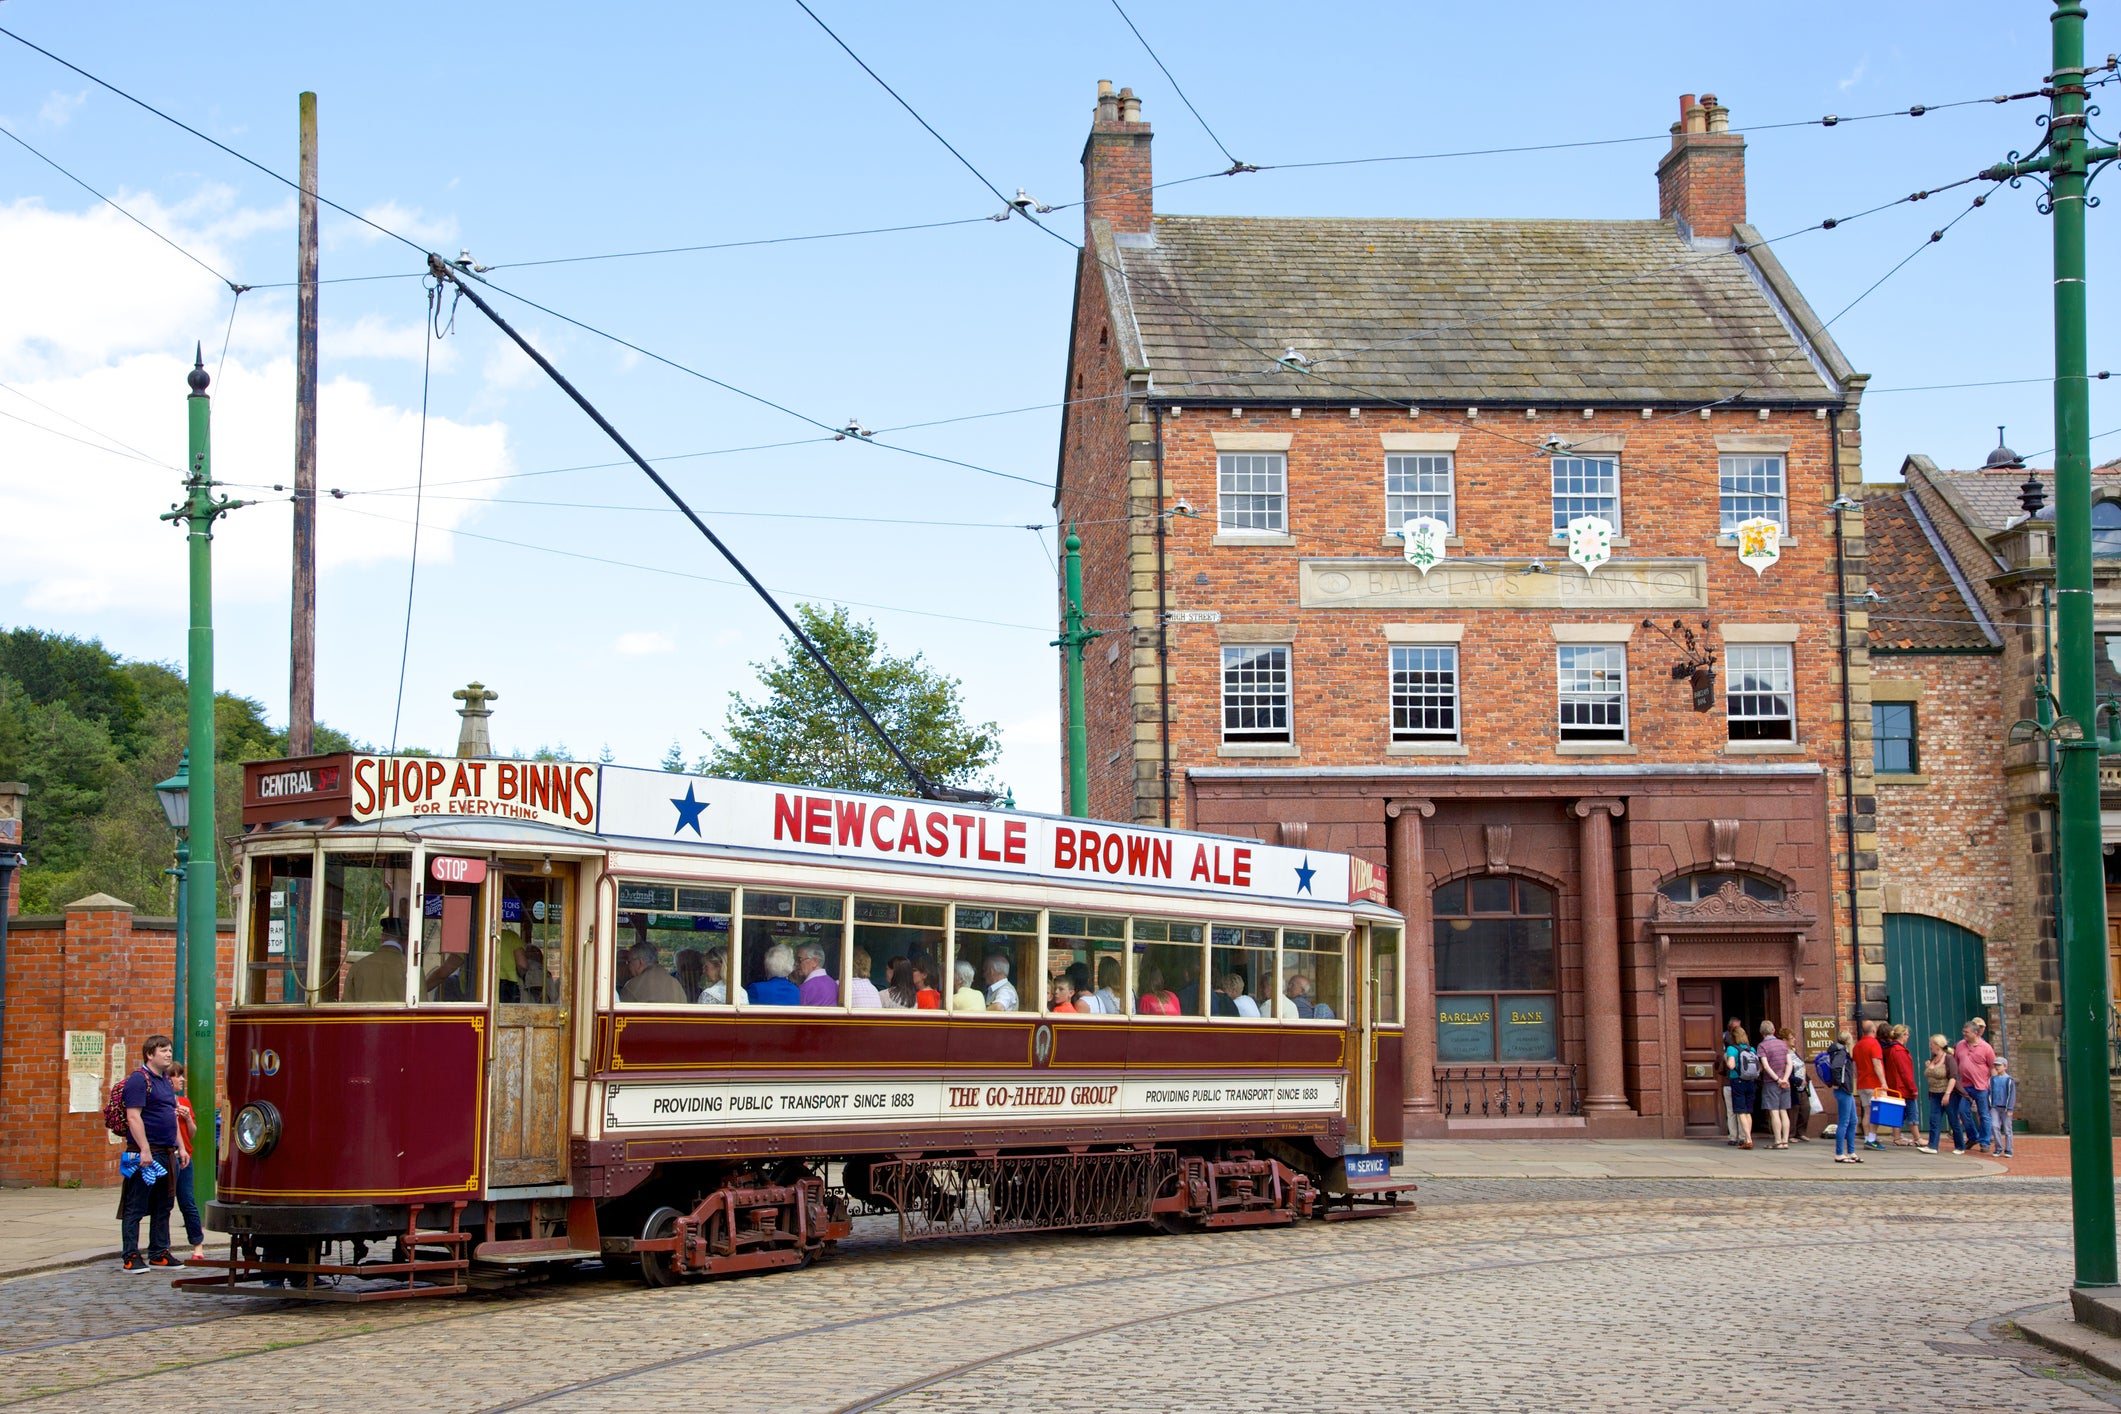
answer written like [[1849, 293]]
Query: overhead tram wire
[[1235, 165], [136, 453], [928, 789]]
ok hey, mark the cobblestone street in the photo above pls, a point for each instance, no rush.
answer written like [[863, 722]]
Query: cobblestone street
[[1504, 1294]]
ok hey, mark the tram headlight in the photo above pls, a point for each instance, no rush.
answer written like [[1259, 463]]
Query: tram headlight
[[257, 1128]]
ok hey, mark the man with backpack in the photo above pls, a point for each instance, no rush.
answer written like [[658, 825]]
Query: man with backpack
[[1742, 1067], [145, 1106]]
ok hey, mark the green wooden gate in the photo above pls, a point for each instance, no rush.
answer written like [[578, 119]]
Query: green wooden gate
[[1933, 976]]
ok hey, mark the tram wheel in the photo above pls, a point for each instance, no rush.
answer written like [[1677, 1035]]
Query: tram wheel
[[658, 1268]]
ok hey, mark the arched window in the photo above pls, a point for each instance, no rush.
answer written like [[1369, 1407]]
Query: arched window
[[1495, 971], [2106, 528], [1693, 888]]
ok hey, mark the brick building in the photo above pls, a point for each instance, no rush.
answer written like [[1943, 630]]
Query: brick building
[[1598, 861], [1962, 644]]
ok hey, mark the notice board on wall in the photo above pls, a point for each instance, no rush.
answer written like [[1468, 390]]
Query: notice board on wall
[[85, 1089], [1818, 1034]]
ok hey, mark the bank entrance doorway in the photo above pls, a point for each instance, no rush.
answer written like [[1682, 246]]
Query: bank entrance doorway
[[1705, 1004]]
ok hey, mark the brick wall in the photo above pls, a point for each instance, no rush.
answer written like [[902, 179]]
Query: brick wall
[[98, 968]]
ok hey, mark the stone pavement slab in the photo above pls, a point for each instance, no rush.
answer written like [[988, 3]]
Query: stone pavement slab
[[1676, 1158], [43, 1228], [2051, 1328]]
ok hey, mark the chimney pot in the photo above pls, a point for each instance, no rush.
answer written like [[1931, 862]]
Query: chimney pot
[[1130, 107], [1701, 180], [1116, 167], [1104, 88]]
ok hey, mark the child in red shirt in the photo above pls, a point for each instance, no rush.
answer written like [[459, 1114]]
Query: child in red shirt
[[194, 1231]]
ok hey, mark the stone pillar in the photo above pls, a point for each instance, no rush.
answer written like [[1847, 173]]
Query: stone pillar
[[12, 795], [1605, 1087], [1409, 886]]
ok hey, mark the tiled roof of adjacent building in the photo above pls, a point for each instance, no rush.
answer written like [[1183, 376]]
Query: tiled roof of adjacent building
[[1924, 607], [1462, 310], [1991, 497]]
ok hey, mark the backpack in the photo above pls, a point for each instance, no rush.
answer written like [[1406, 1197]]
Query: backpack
[[1823, 1066], [114, 1110], [1748, 1063]]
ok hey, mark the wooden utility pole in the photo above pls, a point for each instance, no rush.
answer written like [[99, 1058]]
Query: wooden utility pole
[[302, 685]]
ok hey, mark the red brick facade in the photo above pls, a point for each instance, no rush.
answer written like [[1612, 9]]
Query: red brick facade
[[97, 969]]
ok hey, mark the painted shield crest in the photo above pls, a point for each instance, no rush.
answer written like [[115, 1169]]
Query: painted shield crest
[[1759, 543], [1590, 542], [1424, 537]]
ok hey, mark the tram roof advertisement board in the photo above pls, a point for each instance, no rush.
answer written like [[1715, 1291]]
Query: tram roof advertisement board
[[663, 806]]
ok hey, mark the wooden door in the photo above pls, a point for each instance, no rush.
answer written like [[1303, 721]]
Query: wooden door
[[1700, 1057], [1933, 973], [527, 1107]]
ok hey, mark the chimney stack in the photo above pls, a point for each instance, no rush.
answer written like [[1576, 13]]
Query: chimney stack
[[1701, 181], [1116, 164]]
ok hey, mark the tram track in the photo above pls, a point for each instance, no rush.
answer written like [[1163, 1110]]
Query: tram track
[[508, 1304]]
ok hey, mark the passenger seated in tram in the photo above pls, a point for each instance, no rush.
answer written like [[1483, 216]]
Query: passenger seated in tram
[[774, 989], [1189, 991], [1299, 991], [967, 997], [380, 977], [647, 980], [898, 993], [1109, 984], [814, 985], [1079, 990], [691, 970], [1001, 993], [861, 991], [925, 995], [533, 982], [1155, 1000], [714, 968], [1062, 995], [1231, 998], [444, 981]]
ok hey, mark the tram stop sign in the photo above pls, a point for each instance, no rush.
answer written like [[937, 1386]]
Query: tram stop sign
[[452, 869]]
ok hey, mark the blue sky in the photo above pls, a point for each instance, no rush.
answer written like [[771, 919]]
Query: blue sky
[[542, 131]]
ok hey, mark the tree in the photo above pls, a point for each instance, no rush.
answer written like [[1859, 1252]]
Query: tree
[[803, 732]]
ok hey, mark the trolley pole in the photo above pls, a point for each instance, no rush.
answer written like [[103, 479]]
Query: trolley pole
[[1074, 638], [2067, 163], [197, 513]]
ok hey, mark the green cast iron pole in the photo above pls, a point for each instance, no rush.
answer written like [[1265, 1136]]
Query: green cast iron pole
[[197, 513], [181, 872], [1073, 638]]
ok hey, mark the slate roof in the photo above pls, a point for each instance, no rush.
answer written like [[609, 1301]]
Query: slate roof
[[1992, 496], [1924, 607], [1461, 310]]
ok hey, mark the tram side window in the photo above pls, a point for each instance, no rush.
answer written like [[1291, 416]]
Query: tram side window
[[1241, 967], [449, 943], [1168, 963], [1085, 958], [901, 943], [792, 946], [1386, 986], [1313, 976], [996, 953], [278, 953], [530, 956], [673, 944], [362, 954]]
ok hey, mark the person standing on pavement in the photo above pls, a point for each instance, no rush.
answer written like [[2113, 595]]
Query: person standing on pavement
[[1741, 1064], [1730, 1115], [153, 1139], [1777, 1065], [1841, 1079], [1801, 1090], [1900, 1079], [2003, 1105], [1938, 1072], [1870, 1079], [1976, 1063], [188, 1130]]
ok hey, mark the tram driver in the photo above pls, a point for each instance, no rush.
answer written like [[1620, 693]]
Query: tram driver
[[380, 976], [647, 980]]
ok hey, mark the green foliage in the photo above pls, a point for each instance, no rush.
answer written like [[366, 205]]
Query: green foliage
[[90, 735], [804, 733]]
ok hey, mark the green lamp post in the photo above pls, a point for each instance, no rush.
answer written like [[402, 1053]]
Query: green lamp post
[[175, 796]]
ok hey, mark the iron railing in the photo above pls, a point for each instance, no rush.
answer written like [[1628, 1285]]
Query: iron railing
[[2113, 1040], [1508, 1091]]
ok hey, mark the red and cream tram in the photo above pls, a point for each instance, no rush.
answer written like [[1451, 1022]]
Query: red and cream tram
[[497, 1014]]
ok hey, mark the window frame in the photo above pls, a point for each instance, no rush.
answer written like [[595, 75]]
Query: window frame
[[1275, 499], [1728, 518], [1563, 697], [1497, 998], [1556, 495], [1783, 660], [415, 864], [1455, 707], [1913, 738], [1393, 526], [2112, 532], [1286, 735]]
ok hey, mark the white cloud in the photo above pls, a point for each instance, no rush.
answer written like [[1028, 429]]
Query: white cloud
[[372, 336], [59, 109], [435, 232], [1856, 74], [641, 643]]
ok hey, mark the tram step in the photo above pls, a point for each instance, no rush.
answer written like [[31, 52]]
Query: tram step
[[532, 1251]]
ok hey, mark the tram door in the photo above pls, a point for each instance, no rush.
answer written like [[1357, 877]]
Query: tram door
[[1362, 1017], [527, 1110]]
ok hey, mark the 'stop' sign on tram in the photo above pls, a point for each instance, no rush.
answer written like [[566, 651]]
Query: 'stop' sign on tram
[[662, 805]]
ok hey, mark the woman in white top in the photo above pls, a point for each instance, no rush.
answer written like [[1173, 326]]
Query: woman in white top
[[716, 992], [861, 991], [1108, 985]]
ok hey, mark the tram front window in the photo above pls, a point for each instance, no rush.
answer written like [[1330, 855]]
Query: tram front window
[[1313, 976], [792, 949], [1242, 968], [673, 944], [449, 943], [902, 942], [361, 956], [995, 954], [277, 954], [1385, 984], [1168, 962], [1081, 950]]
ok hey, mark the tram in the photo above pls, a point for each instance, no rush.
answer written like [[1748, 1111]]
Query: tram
[[496, 1015]]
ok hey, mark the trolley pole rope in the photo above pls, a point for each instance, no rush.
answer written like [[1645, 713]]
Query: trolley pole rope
[[929, 790]]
